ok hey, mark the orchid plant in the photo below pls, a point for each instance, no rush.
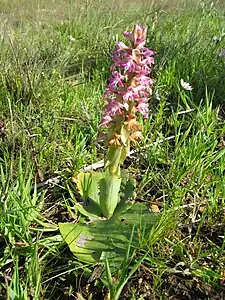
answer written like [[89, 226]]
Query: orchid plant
[[106, 195], [127, 94]]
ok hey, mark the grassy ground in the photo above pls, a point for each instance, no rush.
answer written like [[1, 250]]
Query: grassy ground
[[50, 105]]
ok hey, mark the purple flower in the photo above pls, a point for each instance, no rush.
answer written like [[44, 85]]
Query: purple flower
[[121, 46], [128, 35], [128, 89], [137, 37], [105, 120], [130, 94], [129, 66], [147, 52], [116, 79], [113, 108], [143, 109]]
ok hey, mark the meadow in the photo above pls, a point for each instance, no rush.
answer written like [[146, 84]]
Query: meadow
[[55, 58]]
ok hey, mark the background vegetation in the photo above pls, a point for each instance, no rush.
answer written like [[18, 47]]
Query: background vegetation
[[55, 58]]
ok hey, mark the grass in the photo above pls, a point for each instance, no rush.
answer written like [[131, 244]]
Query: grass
[[51, 101]]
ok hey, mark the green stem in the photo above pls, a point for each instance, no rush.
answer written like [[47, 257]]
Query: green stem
[[113, 160]]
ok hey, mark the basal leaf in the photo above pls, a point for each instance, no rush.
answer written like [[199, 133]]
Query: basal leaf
[[107, 238], [88, 186]]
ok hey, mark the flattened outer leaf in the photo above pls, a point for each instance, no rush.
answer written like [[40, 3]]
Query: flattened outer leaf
[[125, 152], [72, 234], [107, 238]]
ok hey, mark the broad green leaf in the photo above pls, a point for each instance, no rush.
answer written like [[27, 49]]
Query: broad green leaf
[[88, 186], [83, 181], [122, 207], [109, 194], [89, 210], [78, 237], [102, 239], [126, 193]]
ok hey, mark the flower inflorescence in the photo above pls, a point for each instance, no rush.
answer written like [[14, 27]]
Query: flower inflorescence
[[128, 89]]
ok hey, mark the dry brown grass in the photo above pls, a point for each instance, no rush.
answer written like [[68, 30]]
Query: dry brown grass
[[43, 10]]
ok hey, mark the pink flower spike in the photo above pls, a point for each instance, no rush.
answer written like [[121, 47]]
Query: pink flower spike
[[129, 87]]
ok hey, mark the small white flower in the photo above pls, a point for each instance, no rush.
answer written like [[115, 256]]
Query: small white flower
[[71, 38], [185, 85]]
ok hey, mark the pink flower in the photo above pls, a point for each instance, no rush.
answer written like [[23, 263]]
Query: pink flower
[[116, 79], [121, 59], [128, 89], [147, 52], [105, 120], [147, 61], [142, 106], [143, 109], [130, 94], [121, 46], [142, 72], [129, 66], [139, 35], [113, 108], [144, 81], [128, 35]]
